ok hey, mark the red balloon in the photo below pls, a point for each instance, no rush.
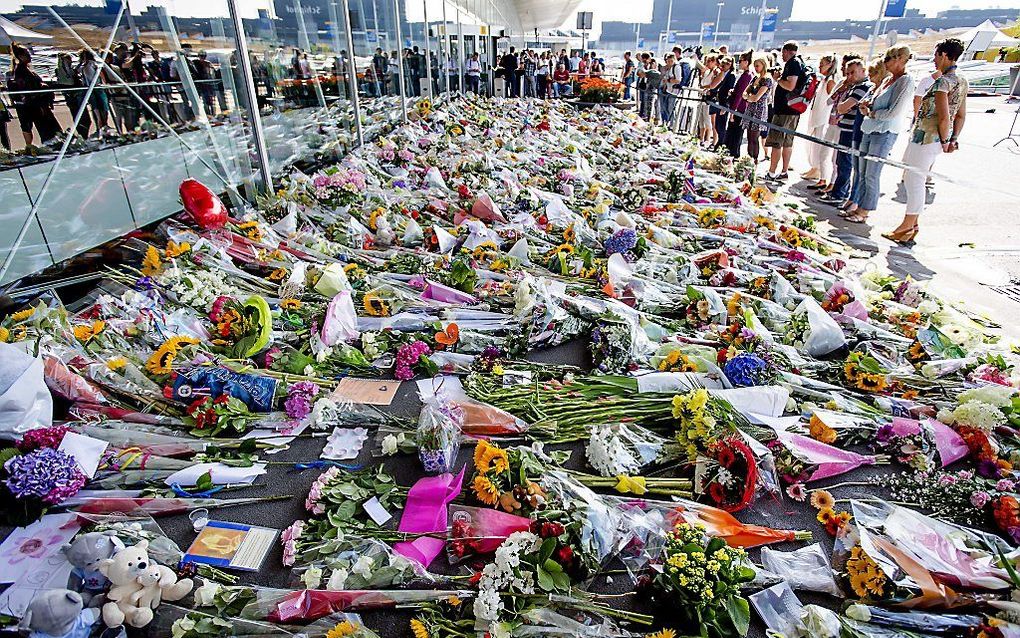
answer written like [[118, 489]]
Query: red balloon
[[202, 204]]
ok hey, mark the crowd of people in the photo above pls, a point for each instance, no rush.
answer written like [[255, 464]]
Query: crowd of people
[[854, 110], [547, 74]]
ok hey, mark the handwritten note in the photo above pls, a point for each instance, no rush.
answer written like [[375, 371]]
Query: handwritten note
[[365, 391]]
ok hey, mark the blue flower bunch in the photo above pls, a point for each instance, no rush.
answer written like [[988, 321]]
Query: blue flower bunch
[[746, 370], [622, 241]]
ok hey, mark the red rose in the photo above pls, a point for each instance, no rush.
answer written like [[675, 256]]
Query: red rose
[[565, 556], [475, 577], [220, 400]]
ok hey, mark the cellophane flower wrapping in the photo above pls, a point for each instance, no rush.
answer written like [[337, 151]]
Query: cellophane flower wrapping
[[438, 434]]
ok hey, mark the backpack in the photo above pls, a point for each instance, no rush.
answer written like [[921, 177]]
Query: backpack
[[802, 94]]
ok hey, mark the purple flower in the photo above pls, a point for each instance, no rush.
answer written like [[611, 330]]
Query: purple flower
[[299, 400], [46, 474], [884, 434], [408, 356], [1005, 485], [622, 241], [979, 499]]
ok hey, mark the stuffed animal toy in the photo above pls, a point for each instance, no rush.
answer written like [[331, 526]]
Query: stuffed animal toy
[[137, 586], [85, 552], [58, 613]]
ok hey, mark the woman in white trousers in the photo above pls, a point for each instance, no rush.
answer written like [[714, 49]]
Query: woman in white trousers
[[819, 155], [936, 131]]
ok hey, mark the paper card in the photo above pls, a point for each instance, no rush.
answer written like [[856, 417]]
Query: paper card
[[375, 509], [26, 548], [365, 391], [220, 474], [86, 450], [232, 545], [516, 377]]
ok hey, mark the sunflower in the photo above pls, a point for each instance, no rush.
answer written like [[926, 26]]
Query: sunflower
[[375, 305], [5, 335], [278, 274], [493, 459], [871, 382], [151, 263], [851, 371], [568, 234], [562, 248], [822, 500], [251, 230], [290, 304], [419, 629], [485, 491], [340, 630], [21, 315], [161, 361], [663, 633], [480, 451]]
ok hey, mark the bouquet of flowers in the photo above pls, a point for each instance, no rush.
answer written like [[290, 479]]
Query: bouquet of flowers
[[337, 187], [37, 480], [700, 582], [438, 435], [703, 420], [352, 562]]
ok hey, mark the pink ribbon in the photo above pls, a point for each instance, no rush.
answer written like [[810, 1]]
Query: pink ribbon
[[425, 512], [831, 461]]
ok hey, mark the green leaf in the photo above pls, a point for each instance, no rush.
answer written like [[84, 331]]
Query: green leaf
[[545, 580], [204, 482], [552, 566], [740, 613], [545, 552]]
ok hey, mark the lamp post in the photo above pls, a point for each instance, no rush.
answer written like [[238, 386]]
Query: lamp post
[[669, 24], [874, 32], [718, 16]]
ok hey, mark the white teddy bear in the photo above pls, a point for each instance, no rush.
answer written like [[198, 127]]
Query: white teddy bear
[[137, 586]]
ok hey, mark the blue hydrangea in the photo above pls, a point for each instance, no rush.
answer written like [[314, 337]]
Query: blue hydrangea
[[622, 241], [746, 370]]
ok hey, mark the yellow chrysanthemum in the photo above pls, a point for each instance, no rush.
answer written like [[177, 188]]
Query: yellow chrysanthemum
[[86, 333], [173, 249], [116, 363], [485, 491], [21, 315], [151, 263]]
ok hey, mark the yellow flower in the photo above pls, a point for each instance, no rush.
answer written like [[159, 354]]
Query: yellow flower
[[871, 382], [173, 249], [290, 304], [85, 333], [825, 515], [5, 334], [116, 363], [568, 234], [373, 218], [822, 500], [161, 361], [419, 629], [346, 628], [21, 315], [820, 431], [151, 263], [630, 484], [375, 305], [485, 491], [562, 248], [453, 601], [677, 361], [490, 457], [663, 633], [278, 274]]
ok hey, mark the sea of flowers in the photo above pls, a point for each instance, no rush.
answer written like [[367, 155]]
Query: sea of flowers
[[734, 358]]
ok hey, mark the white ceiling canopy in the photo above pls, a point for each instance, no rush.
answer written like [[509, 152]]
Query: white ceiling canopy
[[544, 14]]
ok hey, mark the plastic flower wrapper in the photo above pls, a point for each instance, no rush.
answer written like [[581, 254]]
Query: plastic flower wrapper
[[813, 331], [479, 418], [890, 553], [941, 624], [174, 621], [476, 531], [733, 470], [302, 606], [648, 521], [807, 568], [438, 435], [616, 449], [353, 562], [800, 459]]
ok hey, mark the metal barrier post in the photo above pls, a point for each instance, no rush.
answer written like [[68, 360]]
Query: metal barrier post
[[248, 82]]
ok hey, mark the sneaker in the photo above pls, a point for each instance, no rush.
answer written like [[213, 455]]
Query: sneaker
[[832, 201], [783, 176]]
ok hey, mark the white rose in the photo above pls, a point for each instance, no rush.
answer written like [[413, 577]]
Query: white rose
[[337, 580], [389, 445], [206, 594], [311, 577], [309, 371], [363, 567]]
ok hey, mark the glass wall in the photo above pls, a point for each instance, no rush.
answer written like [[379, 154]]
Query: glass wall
[[137, 103]]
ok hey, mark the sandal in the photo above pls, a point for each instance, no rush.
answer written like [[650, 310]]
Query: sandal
[[857, 217], [903, 237]]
